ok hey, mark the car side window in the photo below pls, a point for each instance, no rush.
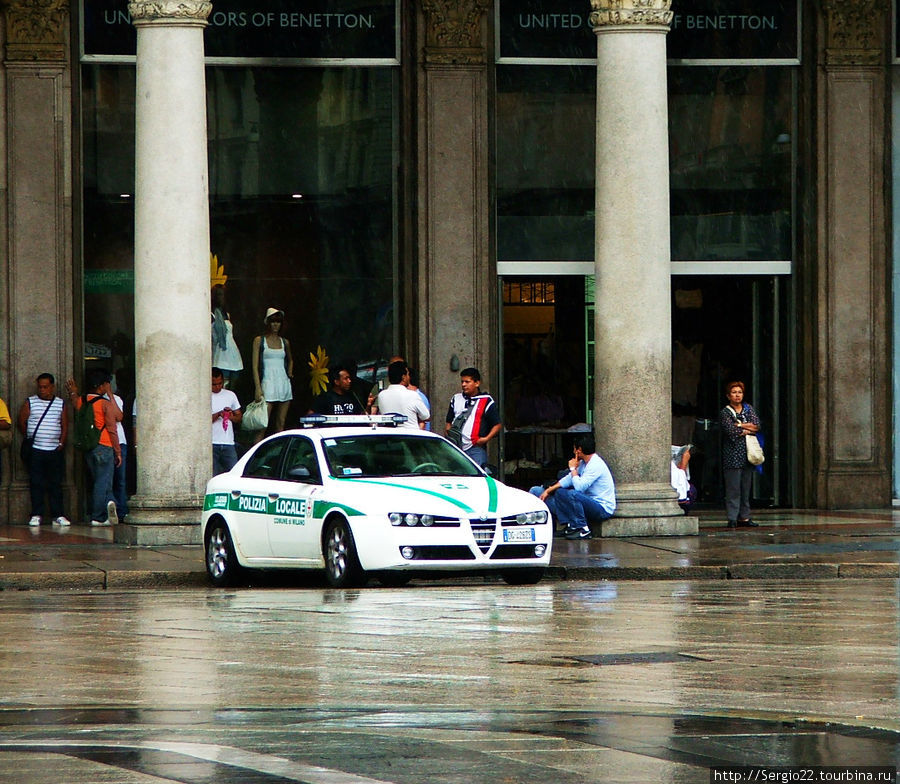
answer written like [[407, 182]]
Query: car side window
[[266, 460], [301, 463]]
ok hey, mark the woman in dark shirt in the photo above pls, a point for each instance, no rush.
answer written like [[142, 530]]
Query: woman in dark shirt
[[737, 420]]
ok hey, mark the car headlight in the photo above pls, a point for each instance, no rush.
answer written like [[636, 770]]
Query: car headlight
[[531, 518], [411, 519]]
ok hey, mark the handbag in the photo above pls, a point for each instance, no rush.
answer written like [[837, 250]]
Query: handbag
[[28, 441], [256, 416], [755, 454]]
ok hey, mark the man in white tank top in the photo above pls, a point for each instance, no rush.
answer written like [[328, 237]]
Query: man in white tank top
[[43, 418]]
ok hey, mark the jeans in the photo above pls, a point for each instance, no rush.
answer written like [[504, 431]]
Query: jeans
[[478, 454], [224, 458], [101, 462], [119, 494], [45, 478], [737, 492], [572, 508]]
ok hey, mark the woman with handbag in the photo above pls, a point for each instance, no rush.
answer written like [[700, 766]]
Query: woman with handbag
[[737, 420]]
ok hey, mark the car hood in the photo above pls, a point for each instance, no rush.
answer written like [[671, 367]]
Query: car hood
[[447, 496]]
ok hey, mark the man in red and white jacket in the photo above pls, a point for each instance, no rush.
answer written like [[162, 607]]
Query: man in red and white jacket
[[483, 422]]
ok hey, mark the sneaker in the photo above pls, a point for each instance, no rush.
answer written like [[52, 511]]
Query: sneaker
[[579, 533], [62, 522], [35, 520], [111, 513], [99, 522]]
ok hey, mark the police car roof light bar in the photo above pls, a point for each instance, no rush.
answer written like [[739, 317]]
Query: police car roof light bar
[[350, 420]]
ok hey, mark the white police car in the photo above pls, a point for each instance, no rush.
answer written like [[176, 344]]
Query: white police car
[[356, 497]]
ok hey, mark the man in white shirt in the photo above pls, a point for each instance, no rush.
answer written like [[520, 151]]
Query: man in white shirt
[[226, 412], [397, 399]]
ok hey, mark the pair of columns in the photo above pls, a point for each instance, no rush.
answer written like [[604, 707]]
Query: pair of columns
[[633, 335]]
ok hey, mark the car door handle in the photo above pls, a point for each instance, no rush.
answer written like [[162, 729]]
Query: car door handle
[[274, 496], [235, 493]]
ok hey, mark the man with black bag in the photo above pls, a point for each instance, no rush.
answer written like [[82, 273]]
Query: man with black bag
[[473, 418], [44, 426]]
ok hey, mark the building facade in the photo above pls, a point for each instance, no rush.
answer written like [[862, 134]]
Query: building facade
[[417, 177]]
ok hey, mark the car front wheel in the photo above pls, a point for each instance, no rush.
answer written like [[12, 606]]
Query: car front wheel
[[221, 562], [342, 569]]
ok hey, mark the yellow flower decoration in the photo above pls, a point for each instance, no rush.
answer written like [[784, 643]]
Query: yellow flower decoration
[[217, 274], [318, 371]]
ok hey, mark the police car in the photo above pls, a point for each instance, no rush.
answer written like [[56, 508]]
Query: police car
[[361, 497]]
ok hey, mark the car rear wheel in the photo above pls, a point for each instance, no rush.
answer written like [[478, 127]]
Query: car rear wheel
[[523, 576], [342, 569], [221, 562]]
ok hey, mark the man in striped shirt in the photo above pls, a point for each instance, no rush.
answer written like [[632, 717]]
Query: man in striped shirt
[[43, 418], [483, 421]]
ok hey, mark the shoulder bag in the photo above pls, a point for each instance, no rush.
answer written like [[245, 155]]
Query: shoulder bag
[[755, 454], [28, 441]]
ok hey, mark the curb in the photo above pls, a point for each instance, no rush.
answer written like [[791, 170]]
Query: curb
[[89, 579]]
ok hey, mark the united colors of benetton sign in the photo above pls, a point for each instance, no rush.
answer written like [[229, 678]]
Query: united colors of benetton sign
[[700, 30], [311, 30]]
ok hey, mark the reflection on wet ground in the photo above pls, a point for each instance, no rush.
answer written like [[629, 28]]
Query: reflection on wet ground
[[564, 682], [279, 745]]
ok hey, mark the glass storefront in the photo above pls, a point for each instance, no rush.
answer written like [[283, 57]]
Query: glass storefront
[[732, 131], [302, 170]]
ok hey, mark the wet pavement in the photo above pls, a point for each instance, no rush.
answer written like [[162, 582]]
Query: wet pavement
[[787, 545], [563, 682]]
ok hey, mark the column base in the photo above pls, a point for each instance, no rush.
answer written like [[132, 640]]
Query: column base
[[160, 521], [648, 509], [676, 525]]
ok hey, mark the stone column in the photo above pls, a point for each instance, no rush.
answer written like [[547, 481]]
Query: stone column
[[171, 270], [36, 265], [456, 283], [846, 447], [633, 402]]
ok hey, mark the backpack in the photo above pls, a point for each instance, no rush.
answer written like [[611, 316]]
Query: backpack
[[87, 434], [455, 433]]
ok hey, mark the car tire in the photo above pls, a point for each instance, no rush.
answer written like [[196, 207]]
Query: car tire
[[342, 569], [394, 579], [222, 565], [523, 576]]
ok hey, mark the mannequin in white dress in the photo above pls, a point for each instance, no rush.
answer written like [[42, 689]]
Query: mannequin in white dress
[[225, 353], [273, 369]]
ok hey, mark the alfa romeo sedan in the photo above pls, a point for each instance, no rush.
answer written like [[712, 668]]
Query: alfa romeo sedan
[[363, 500]]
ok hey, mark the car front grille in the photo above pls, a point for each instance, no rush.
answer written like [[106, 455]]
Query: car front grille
[[483, 531]]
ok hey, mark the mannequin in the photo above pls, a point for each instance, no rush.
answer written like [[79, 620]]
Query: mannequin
[[225, 353], [273, 369]]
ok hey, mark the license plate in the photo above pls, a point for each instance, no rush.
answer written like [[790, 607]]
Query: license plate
[[518, 534]]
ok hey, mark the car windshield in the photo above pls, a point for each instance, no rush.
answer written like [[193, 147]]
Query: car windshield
[[394, 454]]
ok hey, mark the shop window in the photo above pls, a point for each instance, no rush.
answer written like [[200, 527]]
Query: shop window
[[731, 162], [302, 194]]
